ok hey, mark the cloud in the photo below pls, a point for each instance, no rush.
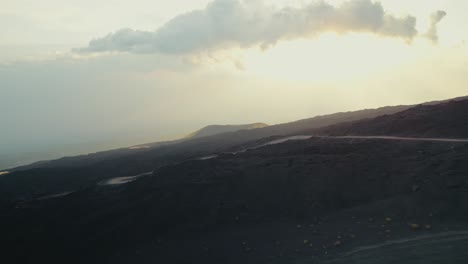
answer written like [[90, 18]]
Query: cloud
[[234, 23], [435, 18]]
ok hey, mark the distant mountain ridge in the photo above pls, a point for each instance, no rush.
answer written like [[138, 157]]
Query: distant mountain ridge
[[71, 173], [219, 129], [444, 120], [203, 143]]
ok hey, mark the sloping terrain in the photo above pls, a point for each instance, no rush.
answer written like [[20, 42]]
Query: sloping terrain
[[276, 204], [73, 173], [442, 120], [224, 140], [313, 200]]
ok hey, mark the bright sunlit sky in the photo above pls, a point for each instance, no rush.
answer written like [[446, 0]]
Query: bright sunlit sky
[[70, 75]]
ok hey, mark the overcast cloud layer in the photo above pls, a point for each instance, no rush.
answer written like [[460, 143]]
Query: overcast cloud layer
[[234, 23]]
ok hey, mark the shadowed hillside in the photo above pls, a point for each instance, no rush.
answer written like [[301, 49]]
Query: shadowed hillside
[[255, 207], [442, 120], [224, 140], [297, 201], [72, 173], [217, 142]]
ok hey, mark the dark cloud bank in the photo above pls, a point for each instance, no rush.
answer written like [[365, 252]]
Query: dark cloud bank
[[234, 23]]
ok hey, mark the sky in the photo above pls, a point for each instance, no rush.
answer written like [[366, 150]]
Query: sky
[[78, 75]]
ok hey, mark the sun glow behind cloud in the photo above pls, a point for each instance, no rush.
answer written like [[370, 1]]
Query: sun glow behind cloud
[[314, 42], [328, 58]]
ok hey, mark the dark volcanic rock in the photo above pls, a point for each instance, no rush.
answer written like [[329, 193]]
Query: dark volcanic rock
[[202, 211], [447, 120], [300, 200]]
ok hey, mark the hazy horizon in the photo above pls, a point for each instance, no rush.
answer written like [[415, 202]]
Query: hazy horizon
[[20, 155]]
